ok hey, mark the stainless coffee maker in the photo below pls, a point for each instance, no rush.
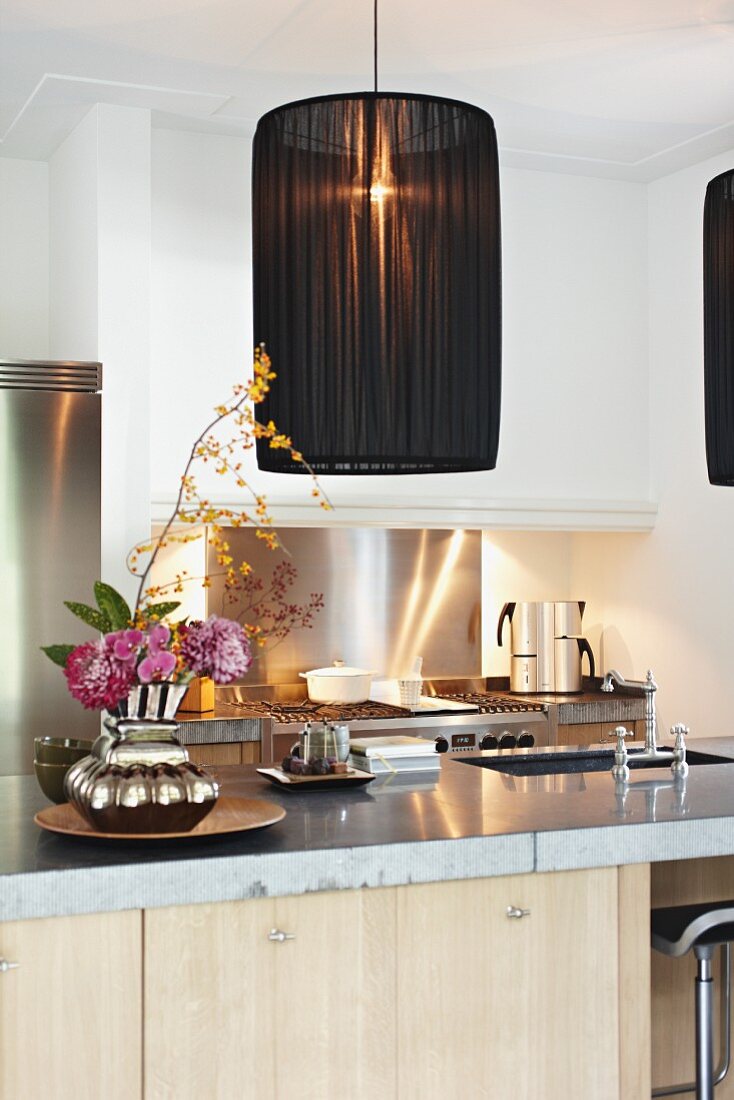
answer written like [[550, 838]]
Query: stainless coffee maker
[[547, 646]]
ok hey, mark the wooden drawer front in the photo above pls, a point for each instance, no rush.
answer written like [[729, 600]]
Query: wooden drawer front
[[235, 752], [592, 733]]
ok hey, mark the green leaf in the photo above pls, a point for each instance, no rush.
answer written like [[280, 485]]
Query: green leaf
[[160, 610], [90, 616], [58, 653], [112, 604]]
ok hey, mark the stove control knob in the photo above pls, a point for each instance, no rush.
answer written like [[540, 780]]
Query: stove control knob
[[489, 741], [442, 744], [525, 740], [508, 740]]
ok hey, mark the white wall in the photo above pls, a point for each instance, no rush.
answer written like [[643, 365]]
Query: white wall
[[575, 330], [100, 304], [521, 565], [667, 599], [73, 260], [23, 259], [201, 308]]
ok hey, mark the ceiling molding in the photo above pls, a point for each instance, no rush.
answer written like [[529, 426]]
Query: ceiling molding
[[709, 143], [462, 512], [59, 101]]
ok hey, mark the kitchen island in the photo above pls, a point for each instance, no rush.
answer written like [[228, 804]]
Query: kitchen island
[[383, 989]]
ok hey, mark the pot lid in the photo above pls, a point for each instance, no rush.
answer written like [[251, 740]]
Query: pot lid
[[342, 670]]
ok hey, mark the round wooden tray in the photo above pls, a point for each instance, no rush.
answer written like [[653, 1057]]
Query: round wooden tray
[[230, 815]]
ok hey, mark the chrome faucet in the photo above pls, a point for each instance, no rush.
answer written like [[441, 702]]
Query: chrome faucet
[[648, 687]]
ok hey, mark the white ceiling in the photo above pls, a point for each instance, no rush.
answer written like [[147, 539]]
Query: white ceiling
[[630, 89]]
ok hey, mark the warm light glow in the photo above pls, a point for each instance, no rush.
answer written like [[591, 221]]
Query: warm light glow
[[379, 192]]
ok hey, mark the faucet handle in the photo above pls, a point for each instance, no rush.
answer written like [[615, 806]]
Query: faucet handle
[[621, 732], [621, 768], [679, 765]]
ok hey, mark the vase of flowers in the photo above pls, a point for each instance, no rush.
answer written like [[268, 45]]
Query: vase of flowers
[[138, 777]]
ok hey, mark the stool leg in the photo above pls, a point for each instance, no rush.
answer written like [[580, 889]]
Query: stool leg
[[704, 1024]]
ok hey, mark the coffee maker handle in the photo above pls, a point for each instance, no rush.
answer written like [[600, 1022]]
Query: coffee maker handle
[[506, 613], [584, 647]]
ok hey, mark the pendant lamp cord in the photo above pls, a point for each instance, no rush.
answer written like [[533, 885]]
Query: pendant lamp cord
[[375, 42]]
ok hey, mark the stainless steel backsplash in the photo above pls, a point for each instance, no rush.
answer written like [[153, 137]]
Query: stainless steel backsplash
[[388, 594]]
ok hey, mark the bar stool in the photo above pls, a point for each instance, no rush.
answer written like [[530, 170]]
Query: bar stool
[[676, 930]]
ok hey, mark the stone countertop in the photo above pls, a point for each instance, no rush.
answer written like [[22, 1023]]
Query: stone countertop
[[470, 823]]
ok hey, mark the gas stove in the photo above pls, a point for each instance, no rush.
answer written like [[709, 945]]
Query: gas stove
[[470, 722], [305, 711]]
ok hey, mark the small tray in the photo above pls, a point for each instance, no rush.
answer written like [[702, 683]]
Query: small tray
[[302, 783], [230, 815]]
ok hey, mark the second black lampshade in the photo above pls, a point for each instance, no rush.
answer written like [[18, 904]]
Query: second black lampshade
[[718, 327], [377, 283]]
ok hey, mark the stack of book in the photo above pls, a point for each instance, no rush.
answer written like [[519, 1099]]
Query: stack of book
[[393, 754]]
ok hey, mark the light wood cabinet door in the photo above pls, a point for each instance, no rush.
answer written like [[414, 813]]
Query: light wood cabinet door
[[588, 733], [497, 1007], [209, 1002], [593, 733], [71, 1013], [335, 988], [234, 1015], [226, 753]]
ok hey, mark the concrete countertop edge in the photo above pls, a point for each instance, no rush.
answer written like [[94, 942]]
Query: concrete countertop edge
[[72, 891], [159, 884]]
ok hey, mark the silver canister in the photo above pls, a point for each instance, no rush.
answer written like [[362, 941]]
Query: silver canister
[[325, 740]]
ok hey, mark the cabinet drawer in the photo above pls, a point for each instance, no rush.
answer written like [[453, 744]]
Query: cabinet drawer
[[592, 733]]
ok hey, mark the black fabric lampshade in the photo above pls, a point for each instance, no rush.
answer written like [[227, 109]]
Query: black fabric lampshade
[[718, 327], [376, 249]]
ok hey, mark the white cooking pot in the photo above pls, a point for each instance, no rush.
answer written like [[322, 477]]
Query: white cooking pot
[[339, 684]]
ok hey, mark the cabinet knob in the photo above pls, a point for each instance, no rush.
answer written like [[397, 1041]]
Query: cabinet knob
[[5, 965], [276, 936], [516, 913]]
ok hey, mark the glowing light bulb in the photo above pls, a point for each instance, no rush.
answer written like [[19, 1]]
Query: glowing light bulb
[[378, 191]]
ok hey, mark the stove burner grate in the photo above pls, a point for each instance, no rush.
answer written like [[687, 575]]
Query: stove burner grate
[[496, 704], [306, 711]]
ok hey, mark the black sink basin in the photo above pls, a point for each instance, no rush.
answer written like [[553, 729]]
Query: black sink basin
[[598, 760]]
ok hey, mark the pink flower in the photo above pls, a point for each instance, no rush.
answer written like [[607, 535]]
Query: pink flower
[[96, 678], [158, 665], [158, 638], [218, 648], [125, 644]]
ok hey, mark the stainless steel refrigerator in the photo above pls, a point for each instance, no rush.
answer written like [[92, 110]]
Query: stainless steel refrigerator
[[50, 452]]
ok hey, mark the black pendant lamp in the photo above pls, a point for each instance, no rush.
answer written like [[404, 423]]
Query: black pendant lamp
[[376, 271], [718, 327]]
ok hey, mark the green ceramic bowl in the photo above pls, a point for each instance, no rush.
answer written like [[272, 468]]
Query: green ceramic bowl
[[51, 780], [60, 750]]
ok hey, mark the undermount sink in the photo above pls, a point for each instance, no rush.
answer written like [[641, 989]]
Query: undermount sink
[[564, 763]]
